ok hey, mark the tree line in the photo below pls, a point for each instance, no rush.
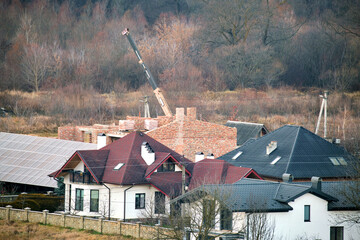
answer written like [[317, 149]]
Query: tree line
[[189, 45]]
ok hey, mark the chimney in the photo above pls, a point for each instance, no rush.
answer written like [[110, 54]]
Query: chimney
[[287, 177], [147, 153], [101, 140], [210, 156], [271, 147], [199, 156], [179, 114], [316, 183], [191, 113]]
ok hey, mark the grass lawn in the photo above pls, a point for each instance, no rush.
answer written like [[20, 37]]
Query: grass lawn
[[24, 230]]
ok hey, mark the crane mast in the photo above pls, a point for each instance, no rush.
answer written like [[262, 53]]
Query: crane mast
[[157, 91]]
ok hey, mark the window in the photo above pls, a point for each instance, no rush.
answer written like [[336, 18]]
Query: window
[[225, 219], [94, 200], [167, 166], [307, 213], [338, 161], [275, 160], [79, 199], [159, 203], [117, 167], [236, 155], [139, 200], [336, 233]]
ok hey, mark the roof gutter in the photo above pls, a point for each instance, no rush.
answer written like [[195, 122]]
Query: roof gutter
[[109, 199], [125, 200]]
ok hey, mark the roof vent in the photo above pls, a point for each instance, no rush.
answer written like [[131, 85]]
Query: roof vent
[[316, 183], [271, 147], [287, 177], [199, 156], [147, 153]]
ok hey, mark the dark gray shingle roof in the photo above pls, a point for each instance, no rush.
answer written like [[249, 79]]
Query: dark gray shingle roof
[[248, 195], [302, 154], [246, 131]]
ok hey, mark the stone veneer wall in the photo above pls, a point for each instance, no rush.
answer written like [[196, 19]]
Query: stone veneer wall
[[100, 225]]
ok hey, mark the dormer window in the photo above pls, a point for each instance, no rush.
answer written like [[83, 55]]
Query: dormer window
[[167, 166]]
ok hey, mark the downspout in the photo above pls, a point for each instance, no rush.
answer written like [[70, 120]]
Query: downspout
[[125, 200], [109, 199]]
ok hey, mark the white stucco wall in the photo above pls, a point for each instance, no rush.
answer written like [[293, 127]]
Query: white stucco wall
[[291, 225], [117, 199]]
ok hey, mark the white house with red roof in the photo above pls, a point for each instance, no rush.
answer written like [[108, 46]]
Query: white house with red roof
[[130, 178]]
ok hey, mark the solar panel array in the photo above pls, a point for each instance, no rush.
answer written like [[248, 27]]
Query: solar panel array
[[29, 160]]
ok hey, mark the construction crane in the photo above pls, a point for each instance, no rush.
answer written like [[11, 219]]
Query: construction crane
[[157, 91]]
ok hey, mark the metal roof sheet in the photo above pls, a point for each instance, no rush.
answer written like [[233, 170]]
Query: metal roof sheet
[[28, 159]]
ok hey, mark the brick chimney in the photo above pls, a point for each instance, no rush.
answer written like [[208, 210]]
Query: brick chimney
[[191, 113], [179, 114]]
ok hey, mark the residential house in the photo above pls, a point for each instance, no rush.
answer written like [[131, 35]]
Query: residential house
[[25, 161], [247, 130], [282, 210], [293, 150], [127, 179], [134, 177]]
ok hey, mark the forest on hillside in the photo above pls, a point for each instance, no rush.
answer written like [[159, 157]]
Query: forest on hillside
[[189, 45]]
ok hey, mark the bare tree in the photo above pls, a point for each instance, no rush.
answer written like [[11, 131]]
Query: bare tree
[[259, 225], [35, 64]]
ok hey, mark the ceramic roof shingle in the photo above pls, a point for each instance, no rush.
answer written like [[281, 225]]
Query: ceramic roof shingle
[[215, 171], [29, 159], [299, 152], [126, 152]]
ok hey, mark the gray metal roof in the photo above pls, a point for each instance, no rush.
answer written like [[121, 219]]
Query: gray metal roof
[[249, 195], [29, 160], [246, 130], [302, 154]]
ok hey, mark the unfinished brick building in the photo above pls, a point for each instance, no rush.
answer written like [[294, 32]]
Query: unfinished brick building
[[183, 133], [187, 135]]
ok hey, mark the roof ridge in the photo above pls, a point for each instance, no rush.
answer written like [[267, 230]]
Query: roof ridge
[[292, 149], [126, 166]]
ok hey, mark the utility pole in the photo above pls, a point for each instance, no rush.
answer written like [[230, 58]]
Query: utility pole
[[323, 108]]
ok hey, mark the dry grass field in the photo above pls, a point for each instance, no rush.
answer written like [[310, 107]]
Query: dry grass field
[[24, 230], [43, 112]]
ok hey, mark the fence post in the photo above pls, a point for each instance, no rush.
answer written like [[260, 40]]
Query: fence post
[[139, 229], [45, 213], [82, 222], [101, 219], [120, 225], [8, 209], [27, 210], [63, 215]]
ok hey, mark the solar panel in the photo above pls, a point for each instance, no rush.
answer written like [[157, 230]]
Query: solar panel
[[29, 159]]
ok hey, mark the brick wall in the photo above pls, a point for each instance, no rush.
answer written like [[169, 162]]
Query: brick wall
[[135, 230]]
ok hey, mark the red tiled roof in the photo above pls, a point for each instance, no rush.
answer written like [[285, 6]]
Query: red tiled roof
[[126, 150], [216, 171], [168, 183]]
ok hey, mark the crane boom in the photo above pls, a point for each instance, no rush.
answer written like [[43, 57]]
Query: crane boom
[[157, 91]]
